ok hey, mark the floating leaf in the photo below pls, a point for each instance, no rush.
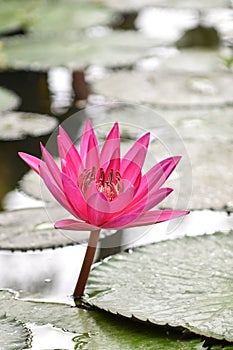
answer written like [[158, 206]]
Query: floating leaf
[[95, 330], [168, 89], [185, 282], [18, 125], [14, 335], [50, 16], [110, 49], [8, 99], [138, 4], [33, 229]]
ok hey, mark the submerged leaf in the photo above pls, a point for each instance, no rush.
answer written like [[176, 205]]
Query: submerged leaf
[[185, 282]]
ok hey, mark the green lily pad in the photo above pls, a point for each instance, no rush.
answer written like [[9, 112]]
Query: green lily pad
[[18, 125], [194, 60], [168, 89], [109, 48], [185, 282], [8, 99], [14, 334], [28, 229], [50, 16], [137, 4], [96, 330]]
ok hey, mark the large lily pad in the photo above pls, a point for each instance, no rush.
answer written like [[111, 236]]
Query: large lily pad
[[94, 330], [137, 4], [194, 60], [33, 229], [76, 51], [50, 16], [14, 335], [185, 282], [8, 99], [168, 89], [18, 125]]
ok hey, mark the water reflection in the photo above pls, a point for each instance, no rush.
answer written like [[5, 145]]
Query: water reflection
[[50, 274]]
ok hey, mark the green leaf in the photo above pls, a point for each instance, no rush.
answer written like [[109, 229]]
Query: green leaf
[[28, 229], [95, 330], [50, 16], [185, 282], [8, 99], [138, 4], [14, 335], [168, 89], [110, 48], [18, 125]]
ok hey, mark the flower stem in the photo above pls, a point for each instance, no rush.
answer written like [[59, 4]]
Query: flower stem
[[86, 266]]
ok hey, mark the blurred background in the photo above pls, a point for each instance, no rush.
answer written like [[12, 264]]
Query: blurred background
[[58, 57]]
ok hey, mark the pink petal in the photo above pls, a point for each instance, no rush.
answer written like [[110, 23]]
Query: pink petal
[[32, 161], [52, 166], [54, 189], [147, 218], [74, 225], [92, 160], [88, 132], [110, 153], [154, 198], [97, 209], [75, 197], [156, 216], [70, 159], [132, 162], [156, 176]]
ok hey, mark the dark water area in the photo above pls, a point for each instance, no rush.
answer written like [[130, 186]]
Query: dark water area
[[36, 96]]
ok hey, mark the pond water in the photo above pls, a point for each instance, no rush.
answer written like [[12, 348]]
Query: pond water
[[128, 55]]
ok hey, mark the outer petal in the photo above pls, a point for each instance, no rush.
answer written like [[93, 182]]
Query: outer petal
[[32, 161], [88, 132], [147, 218], [75, 197], [156, 176], [74, 225], [132, 162], [54, 189], [52, 166], [156, 216], [153, 198], [110, 153], [70, 158]]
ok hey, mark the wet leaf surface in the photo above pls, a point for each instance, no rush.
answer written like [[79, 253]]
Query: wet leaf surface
[[33, 229], [109, 48], [96, 330], [168, 89], [8, 99], [14, 334], [47, 16], [137, 4], [18, 125], [185, 282]]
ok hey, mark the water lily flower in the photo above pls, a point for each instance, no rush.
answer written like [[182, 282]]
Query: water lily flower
[[101, 189]]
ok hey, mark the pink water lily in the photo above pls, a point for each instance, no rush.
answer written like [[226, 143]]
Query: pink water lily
[[99, 188]]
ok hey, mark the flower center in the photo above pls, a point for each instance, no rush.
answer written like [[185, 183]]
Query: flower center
[[108, 183]]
